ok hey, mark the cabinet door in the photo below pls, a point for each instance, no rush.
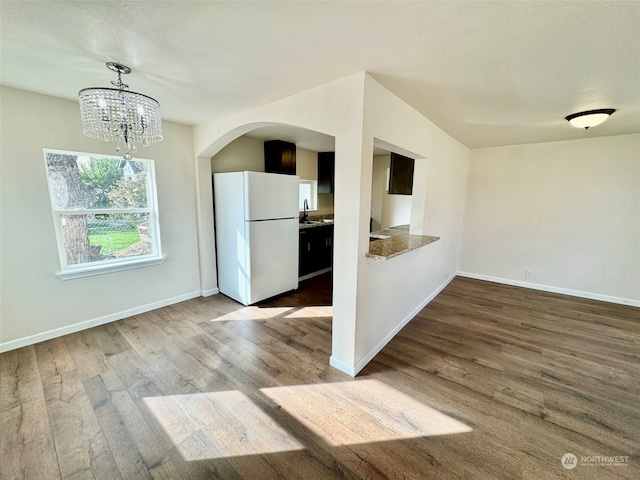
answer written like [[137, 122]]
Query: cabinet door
[[325, 247], [401, 175], [307, 263], [326, 171], [280, 157], [316, 249]]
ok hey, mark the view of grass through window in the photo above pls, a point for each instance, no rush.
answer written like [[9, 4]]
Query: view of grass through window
[[113, 234], [101, 205], [113, 241]]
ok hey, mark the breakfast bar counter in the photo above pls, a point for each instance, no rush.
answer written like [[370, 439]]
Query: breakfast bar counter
[[389, 243]]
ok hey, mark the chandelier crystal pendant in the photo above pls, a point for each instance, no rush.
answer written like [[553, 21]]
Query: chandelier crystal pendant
[[119, 115]]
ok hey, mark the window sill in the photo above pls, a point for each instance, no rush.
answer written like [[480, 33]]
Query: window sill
[[102, 269]]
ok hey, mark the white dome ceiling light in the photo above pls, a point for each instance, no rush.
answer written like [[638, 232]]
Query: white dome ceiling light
[[590, 118]]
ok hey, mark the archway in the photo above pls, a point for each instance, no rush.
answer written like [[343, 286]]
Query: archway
[[309, 140]]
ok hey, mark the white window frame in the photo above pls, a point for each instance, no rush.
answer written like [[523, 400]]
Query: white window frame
[[313, 200], [69, 272]]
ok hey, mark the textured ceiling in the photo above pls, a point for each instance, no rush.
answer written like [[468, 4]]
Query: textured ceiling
[[488, 73]]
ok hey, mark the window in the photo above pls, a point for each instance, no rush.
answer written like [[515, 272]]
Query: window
[[104, 211], [309, 192]]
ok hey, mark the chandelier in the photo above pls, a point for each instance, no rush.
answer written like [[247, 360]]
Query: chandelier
[[118, 115]]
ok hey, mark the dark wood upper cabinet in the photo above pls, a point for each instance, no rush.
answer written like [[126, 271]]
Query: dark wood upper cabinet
[[326, 171], [280, 157], [401, 175]]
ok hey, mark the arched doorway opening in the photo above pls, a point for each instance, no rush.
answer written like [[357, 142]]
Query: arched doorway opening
[[243, 150]]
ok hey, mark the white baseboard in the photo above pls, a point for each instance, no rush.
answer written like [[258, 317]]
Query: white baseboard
[[549, 288], [76, 327], [342, 366], [353, 371], [211, 291]]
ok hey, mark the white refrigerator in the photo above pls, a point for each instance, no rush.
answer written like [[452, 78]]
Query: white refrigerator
[[256, 222]]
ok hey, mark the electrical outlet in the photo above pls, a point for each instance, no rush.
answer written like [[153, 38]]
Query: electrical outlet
[[528, 273]]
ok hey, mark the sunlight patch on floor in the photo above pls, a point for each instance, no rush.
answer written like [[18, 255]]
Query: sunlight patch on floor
[[312, 312], [361, 411], [266, 313], [253, 313], [219, 424]]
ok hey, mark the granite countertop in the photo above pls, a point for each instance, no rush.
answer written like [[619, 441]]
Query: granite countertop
[[322, 221], [392, 242], [385, 244]]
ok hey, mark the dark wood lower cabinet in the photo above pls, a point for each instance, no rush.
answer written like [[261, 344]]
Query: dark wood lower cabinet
[[316, 249]]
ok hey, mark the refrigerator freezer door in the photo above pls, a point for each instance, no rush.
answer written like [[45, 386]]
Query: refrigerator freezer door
[[270, 195], [272, 258]]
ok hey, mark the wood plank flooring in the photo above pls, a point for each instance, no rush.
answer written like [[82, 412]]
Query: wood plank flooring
[[487, 382]]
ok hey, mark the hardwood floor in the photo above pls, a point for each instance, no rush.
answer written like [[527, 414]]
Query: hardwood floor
[[487, 382]]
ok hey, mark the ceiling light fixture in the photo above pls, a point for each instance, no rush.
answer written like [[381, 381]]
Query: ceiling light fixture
[[590, 118], [118, 115]]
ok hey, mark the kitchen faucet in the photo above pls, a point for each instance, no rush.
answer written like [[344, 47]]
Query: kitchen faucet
[[305, 210]]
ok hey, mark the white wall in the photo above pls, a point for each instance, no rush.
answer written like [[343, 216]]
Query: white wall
[[391, 292], [306, 164], [387, 210], [244, 153], [396, 210], [33, 300], [569, 211], [378, 189]]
